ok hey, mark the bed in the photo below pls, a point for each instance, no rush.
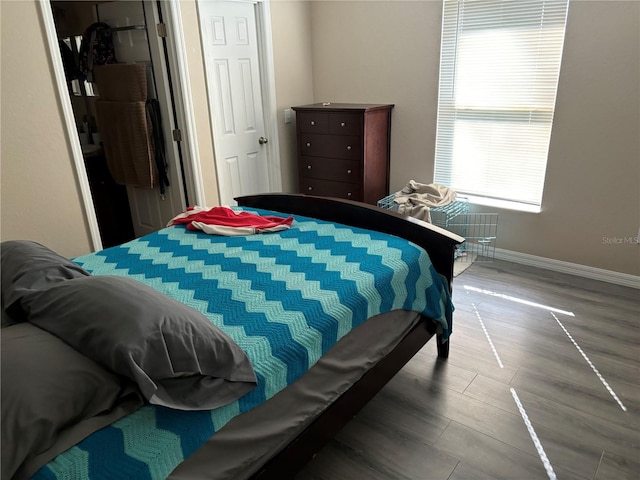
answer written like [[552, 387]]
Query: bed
[[341, 352]]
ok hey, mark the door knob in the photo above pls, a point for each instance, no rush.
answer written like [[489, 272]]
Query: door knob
[[262, 140]]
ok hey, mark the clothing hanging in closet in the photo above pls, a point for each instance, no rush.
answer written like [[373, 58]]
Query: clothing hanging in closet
[[130, 126]]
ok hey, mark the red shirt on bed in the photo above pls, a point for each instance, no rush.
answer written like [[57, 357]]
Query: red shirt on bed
[[224, 221]]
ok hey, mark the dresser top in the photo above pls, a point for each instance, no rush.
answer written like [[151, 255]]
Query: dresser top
[[362, 107]]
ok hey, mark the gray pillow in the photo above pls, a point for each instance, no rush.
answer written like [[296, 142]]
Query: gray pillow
[[26, 266], [52, 398], [178, 358]]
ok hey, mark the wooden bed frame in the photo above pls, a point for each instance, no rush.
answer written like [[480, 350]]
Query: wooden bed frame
[[439, 243]]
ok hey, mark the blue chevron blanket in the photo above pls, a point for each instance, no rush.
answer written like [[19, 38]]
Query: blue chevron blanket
[[284, 297]]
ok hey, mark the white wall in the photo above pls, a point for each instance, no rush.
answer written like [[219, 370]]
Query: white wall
[[40, 194], [365, 51], [291, 25], [388, 51]]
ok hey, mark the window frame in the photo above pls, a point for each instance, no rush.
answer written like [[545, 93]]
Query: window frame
[[530, 112]]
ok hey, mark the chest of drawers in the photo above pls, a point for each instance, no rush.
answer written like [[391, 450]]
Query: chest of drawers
[[343, 150]]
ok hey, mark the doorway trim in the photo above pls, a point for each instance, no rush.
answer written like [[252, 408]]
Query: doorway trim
[[183, 101], [184, 105], [70, 123], [269, 100], [182, 98]]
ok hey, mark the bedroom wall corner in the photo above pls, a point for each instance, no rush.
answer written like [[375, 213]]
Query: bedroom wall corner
[[40, 196], [384, 51], [291, 27]]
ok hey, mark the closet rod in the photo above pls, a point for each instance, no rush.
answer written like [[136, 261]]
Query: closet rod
[[129, 27]]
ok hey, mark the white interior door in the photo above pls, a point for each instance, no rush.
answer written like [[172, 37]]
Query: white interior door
[[232, 66], [136, 41]]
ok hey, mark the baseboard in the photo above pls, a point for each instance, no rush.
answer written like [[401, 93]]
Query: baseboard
[[585, 271]]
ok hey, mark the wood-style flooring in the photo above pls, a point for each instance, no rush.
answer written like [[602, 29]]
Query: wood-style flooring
[[542, 381]]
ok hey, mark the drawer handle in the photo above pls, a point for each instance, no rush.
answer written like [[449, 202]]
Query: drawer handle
[[343, 124], [349, 171], [308, 167], [313, 122], [349, 194], [308, 144], [310, 188], [348, 147]]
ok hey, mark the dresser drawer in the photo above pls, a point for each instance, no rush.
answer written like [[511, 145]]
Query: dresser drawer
[[332, 123], [330, 169], [312, 122], [334, 146], [345, 124], [327, 188]]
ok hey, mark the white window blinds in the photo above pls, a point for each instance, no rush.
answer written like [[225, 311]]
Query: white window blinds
[[499, 69]]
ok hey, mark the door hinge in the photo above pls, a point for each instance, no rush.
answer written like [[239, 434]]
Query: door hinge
[[162, 30], [177, 135]]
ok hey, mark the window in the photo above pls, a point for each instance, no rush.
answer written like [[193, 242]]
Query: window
[[499, 69]]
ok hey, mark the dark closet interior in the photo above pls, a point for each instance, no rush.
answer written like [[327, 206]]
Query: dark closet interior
[[110, 199]]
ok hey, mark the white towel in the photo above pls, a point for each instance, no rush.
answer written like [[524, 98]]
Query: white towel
[[416, 199]]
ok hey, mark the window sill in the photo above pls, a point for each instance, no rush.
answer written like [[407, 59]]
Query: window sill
[[502, 204]]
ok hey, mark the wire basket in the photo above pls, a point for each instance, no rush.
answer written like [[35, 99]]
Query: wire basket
[[388, 203], [480, 230]]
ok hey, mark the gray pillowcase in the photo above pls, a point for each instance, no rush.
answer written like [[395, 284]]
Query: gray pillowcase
[[178, 358], [52, 398], [26, 266]]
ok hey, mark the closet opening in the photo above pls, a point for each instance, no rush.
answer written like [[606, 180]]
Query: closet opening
[[119, 86]]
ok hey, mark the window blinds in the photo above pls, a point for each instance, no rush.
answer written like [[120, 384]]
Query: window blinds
[[499, 69]]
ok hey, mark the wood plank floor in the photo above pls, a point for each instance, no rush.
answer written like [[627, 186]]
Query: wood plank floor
[[561, 351]]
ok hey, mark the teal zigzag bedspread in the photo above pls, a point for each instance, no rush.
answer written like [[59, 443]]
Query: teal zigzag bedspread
[[284, 297]]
